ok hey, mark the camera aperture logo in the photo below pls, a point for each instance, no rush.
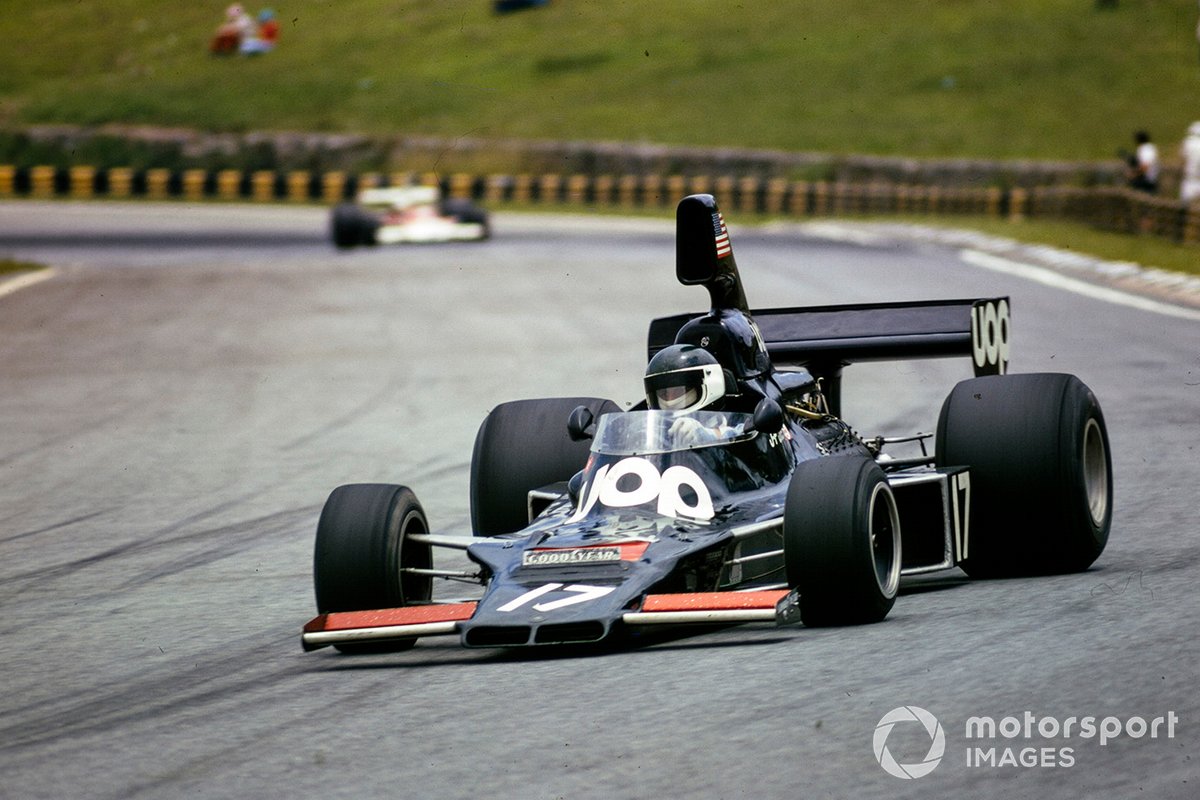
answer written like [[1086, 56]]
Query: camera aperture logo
[[1015, 741], [937, 742]]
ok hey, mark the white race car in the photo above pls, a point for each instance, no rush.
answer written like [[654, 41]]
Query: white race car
[[407, 214]]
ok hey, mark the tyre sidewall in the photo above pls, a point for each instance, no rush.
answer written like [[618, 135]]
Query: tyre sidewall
[[1085, 536]]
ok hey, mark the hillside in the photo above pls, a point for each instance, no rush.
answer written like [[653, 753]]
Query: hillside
[[1059, 79]]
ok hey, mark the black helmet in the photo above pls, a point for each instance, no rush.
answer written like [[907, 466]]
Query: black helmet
[[683, 377]]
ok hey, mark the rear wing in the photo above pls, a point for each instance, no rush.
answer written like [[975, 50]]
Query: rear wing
[[399, 196], [825, 338]]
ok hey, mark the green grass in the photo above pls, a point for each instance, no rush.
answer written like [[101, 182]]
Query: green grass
[[1022, 79], [9, 266], [925, 78]]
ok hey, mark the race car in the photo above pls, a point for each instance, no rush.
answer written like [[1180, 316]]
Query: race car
[[591, 523], [406, 214]]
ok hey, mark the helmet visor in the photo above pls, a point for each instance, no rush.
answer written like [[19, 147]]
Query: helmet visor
[[675, 391]]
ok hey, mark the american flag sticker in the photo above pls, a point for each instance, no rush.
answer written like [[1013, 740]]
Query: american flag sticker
[[721, 235]]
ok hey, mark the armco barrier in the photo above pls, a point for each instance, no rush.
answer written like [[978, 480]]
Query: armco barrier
[[1106, 207]]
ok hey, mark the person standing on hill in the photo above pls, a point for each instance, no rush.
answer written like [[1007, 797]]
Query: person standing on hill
[[1189, 187], [1143, 165], [265, 38]]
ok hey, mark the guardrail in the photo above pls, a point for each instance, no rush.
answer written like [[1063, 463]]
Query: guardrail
[[1110, 208]]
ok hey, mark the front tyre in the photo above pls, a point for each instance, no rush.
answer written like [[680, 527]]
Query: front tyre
[[351, 225], [362, 550], [345, 225], [1041, 472], [841, 541]]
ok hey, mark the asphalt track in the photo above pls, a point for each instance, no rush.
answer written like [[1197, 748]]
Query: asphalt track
[[179, 397]]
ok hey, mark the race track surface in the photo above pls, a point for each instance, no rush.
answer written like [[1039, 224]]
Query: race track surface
[[180, 396]]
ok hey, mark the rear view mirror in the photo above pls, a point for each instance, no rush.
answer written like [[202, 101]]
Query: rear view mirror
[[579, 424], [695, 250], [768, 416]]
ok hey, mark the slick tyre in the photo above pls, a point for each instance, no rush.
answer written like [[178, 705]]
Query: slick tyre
[[466, 212], [523, 445], [368, 229], [344, 226], [463, 210], [361, 550], [352, 226], [1040, 471], [841, 541]]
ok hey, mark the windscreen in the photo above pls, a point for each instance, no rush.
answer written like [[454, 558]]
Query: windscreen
[[654, 431]]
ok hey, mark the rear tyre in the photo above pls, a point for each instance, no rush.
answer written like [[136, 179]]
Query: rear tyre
[[463, 209], [1041, 472], [361, 550], [467, 212], [523, 445], [841, 541]]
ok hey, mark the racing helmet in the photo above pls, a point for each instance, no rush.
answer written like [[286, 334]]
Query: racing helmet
[[683, 377]]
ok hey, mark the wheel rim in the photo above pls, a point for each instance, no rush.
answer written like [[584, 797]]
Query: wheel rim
[[1095, 471], [885, 539], [412, 587]]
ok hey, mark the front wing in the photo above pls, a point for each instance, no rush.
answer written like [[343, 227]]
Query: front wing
[[443, 619]]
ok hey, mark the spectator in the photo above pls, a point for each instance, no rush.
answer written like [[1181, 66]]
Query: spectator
[[1189, 188], [266, 37], [1143, 164], [233, 31]]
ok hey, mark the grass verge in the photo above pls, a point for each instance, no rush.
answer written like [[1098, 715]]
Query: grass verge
[[10, 266], [1068, 79]]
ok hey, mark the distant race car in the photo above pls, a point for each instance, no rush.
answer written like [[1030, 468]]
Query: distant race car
[[591, 522], [407, 214]]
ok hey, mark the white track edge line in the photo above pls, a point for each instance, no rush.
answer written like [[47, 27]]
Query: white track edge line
[[1051, 278], [24, 281]]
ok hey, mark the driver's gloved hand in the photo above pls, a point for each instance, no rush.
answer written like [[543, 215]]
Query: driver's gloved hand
[[690, 432]]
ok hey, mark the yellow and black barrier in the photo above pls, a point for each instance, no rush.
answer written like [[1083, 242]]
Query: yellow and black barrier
[[1106, 207]]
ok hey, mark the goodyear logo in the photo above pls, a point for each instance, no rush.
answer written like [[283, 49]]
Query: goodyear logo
[[569, 556]]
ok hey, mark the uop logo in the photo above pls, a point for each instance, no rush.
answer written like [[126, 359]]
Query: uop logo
[[937, 745]]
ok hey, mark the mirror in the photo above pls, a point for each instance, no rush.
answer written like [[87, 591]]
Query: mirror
[[768, 416], [695, 249], [579, 424]]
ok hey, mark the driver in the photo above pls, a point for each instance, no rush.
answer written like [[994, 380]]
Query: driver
[[685, 378]]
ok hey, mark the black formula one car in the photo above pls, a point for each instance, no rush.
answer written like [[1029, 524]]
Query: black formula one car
[[589, 521]]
